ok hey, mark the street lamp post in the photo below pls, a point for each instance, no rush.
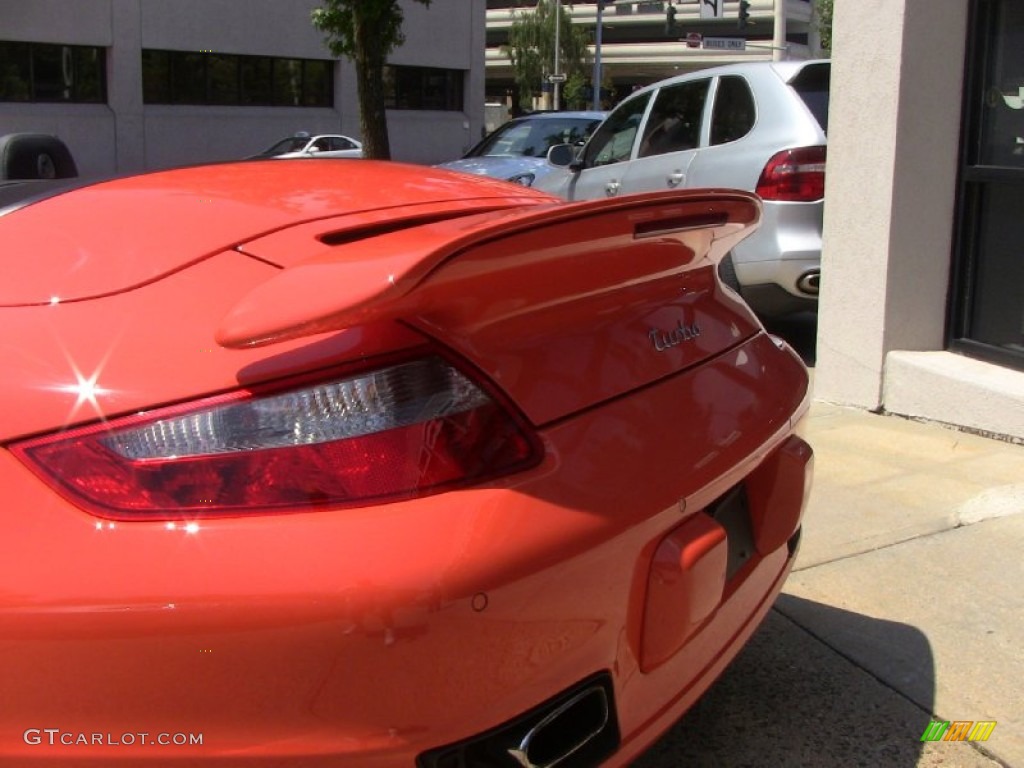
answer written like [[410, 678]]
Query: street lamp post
[[556, 80], [597, 55], [779, 47]]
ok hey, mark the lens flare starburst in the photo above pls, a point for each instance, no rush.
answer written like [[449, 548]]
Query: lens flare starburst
[[87, 392]]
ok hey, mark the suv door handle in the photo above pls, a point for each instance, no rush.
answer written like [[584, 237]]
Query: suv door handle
[[676, 178], [611, 189]]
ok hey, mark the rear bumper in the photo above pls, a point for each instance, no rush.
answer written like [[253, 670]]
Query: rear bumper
[[371, 637], [743, 617], [779, 266], [580, 727]]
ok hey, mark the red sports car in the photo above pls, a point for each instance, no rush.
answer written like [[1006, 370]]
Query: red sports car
[[311, 465]]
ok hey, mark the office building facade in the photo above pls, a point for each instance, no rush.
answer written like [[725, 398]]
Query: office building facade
[[139, 84]]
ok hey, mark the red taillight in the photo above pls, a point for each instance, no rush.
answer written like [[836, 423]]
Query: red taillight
[[404, 430], [794, 175]]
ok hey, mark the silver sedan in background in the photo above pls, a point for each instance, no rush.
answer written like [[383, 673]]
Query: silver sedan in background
[[304, 144]]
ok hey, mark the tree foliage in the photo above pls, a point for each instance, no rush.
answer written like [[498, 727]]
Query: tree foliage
[[365, 32], [576, 91], [823, 12], [531, 48]]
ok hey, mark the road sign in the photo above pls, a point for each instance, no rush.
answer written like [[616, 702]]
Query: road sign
[[559, 78], [693, 40], [712, 9], [725, 43]]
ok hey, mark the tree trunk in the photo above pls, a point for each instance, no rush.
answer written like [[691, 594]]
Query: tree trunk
[[369, 63]]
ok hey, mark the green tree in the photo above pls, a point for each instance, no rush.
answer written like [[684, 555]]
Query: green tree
[[823, 13], [576, 92], [365, 32], [531, 48]]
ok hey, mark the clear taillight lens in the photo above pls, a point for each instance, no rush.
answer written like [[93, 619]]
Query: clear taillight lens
[[794, 175], [404, 430]]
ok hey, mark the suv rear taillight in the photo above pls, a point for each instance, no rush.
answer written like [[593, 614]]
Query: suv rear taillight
[[794, 175], [398, 431]]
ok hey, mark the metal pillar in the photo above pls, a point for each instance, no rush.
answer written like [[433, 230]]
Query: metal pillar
[[557, 89], [597, 55], [779, 47]]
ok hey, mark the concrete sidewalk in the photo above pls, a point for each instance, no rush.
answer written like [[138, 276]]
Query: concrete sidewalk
[[906, 606], [914, 538]]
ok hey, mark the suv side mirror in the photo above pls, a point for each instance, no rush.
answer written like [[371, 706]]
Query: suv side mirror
[[564, 156]]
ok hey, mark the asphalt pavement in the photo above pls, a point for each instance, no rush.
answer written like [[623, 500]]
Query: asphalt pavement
[[906, 606]]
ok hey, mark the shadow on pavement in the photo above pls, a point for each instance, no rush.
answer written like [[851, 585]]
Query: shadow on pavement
[[789, 699]]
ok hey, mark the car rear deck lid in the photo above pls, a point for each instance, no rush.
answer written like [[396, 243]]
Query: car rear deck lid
[[121, 234]]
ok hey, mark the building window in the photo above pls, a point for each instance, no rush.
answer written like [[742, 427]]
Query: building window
[[424, 88], [988, 297], [46, 72], [221, 79]]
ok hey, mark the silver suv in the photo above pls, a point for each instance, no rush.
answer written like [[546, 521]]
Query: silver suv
[[759, 127]]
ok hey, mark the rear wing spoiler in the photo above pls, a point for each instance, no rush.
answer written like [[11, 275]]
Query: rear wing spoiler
[[367, 275]]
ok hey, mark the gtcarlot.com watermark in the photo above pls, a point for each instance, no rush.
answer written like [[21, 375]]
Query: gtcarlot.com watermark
[[58, 736]]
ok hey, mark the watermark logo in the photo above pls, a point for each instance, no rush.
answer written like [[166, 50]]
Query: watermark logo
[[958, 730], [56, 736]]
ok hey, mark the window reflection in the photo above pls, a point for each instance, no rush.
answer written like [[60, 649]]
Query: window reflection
[[988, 304], [1002, 120], [221, 79], [424, 88], [45, 72]]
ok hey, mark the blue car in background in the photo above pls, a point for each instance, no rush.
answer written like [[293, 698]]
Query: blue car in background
[[517, 150]]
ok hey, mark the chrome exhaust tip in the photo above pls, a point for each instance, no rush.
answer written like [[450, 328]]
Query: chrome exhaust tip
[[565, 730], [577, 728], [809, 282]]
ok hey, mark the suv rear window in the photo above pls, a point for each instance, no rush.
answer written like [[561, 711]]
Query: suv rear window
[[812, 85], [734, 112]]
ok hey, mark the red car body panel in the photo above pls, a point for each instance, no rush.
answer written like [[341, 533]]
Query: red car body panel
[[371, 635], [123, 234]]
